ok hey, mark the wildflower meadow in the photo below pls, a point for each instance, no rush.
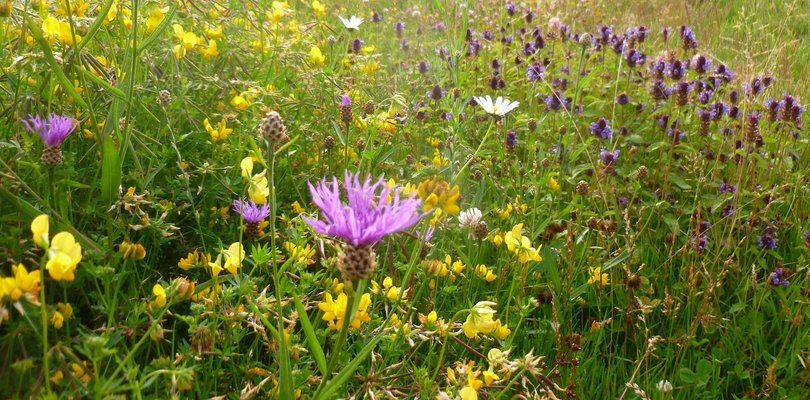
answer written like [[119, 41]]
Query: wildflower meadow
[[389, 199]]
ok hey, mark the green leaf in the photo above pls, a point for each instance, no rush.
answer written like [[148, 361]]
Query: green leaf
[[110, 171], [314, 345]]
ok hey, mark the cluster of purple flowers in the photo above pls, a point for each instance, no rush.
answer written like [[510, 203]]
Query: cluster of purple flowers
[[777, 278], [601, 128], [767, 240]]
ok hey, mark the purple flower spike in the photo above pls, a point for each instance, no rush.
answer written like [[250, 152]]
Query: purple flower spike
[[601, 128], [373, 210], [609, 157], [53, 130], [251, 212]]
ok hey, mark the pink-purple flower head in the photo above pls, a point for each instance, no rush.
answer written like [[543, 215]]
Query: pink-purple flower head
[[251, 212], [52, 130], [373, 210]]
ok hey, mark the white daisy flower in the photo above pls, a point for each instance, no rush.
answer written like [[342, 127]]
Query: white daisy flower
[[353, 23], [500, 107]]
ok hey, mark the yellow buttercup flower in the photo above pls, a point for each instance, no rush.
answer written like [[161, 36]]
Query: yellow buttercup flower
[[240, 102], [40, 228], [64, 255], [521, 245], [78, 8]]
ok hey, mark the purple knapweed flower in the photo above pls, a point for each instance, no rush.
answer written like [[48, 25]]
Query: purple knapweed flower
[[373, 210], [251, 213], [53, 130], [601, 128]]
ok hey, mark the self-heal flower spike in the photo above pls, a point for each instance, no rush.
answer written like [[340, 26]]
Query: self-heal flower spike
[[53, 131], [373, 211]]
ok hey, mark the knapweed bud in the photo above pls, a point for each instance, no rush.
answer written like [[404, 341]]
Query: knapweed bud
[[583, 188], [273, 129], [328, 142], [357, 262], [641, 173], [368, 107], [346, 109]]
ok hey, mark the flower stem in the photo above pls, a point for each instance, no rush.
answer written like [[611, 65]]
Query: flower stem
[[477, 151], [44, 317]]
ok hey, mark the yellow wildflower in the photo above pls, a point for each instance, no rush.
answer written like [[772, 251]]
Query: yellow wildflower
[[160, 295], [436, 193], [193, 259], [521, 245], [297, 208], [240, 102], [78, 8], [301, 254], [316, 56], [54, 29], [220, 133], [233, 257], [553, 185], [57, 320], [40, 228], [132, 251], [318, 8], [210, 51], [480, 319], [64, 255], [335, 311], [259, 189], [214, 33], [596, 276], [23, 283], [156, 16]]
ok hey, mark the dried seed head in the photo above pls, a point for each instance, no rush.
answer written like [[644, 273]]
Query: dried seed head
[[273, 129], [532, 124], [593, 222], [202, 340], [357, 262]]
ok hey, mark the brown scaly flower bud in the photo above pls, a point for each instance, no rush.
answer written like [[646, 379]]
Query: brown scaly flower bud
[[368, 107], [633, 281], [357, 262], [360, 143], [328, 142], [478, 175], [52, 155], [641, 173], [545, 162], [346, 110], [532, 124], [592, 222], [583, 188], [273, 129]]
